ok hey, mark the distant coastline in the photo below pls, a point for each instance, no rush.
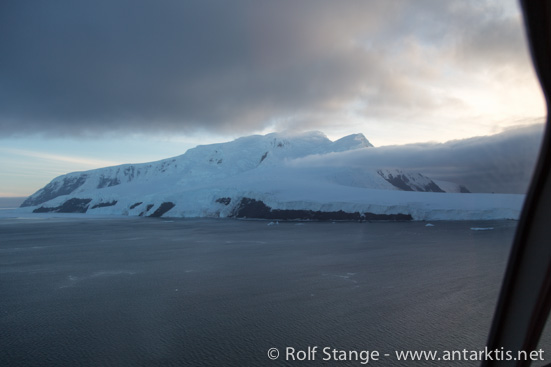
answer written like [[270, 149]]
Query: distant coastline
[[11, 202]]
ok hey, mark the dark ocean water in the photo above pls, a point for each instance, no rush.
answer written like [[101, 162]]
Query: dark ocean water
[[129, 292]]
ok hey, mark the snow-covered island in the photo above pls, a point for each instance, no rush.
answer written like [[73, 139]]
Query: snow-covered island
[[271, 177]]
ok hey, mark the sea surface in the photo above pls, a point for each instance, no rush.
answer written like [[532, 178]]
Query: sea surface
[[155, 292]]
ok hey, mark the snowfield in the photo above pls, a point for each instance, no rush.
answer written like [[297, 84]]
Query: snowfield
[[258, 176]]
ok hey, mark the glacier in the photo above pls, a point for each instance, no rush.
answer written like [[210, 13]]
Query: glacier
[[258, 177]]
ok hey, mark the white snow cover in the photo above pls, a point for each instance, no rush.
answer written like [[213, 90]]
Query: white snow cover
[[262, 168]]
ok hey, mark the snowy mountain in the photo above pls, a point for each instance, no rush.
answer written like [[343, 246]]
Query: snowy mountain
[[257, 177], [418, 182]]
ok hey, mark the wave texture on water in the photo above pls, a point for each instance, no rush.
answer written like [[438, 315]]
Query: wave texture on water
[[223, 292]]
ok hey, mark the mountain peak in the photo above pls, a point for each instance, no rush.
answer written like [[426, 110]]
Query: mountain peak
[[350, 142]]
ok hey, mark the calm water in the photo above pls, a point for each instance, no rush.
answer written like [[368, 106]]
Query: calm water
[[223, 292]]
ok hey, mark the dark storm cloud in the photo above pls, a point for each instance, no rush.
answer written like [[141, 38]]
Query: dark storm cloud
[[501, 163], [90, 67]]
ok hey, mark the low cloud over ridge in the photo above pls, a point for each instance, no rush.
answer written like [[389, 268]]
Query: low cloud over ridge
[[501, 163]]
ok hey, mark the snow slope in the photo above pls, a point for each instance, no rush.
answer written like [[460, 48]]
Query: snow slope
[[255, 176]]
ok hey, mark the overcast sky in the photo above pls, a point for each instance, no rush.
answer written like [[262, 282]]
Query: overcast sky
[[89, 83]]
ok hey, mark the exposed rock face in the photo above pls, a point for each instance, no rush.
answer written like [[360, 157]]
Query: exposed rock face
[[108, 182], [263, 157], [463, 190], [410, 182], [70, 206], [251, 208], [103, 205], [162, 209], [63, 186], [147, 208], [225, 201]]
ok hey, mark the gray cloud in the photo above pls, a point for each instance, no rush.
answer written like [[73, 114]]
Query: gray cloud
[[80, 67], [501, 163]]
